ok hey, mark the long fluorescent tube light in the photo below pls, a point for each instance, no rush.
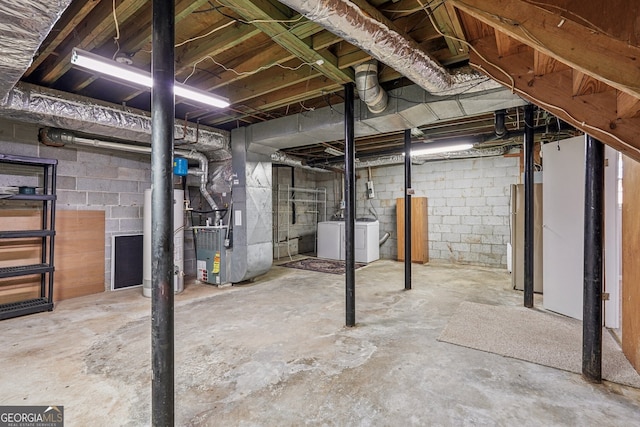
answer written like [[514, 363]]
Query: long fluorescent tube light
[[436, 148], [130, 74], [333, 151]]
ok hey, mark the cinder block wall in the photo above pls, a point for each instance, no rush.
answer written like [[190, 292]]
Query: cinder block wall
[[468, 206], [94, 179], [310, 208]]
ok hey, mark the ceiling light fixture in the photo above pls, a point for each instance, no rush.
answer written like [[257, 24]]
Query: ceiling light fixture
[[333, 151], [439, 147], [416, 132], [111, 68]]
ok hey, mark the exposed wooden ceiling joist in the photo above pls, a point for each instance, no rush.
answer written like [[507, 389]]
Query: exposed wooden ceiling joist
[[594, 113], [270, 21], [95, 32], [600, 56]]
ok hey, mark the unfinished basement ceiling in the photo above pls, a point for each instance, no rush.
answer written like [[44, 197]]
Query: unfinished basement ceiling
[[261, 55], [271, 61]]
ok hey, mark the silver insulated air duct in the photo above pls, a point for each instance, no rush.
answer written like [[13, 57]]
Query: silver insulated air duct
[[24, 25], [369, 89], [48, 107], [365, 27]]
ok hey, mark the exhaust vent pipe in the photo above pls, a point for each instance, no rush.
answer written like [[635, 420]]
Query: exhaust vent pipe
[[369, 90]]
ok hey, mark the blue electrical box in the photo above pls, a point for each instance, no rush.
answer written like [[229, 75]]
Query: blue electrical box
[[180, 166]]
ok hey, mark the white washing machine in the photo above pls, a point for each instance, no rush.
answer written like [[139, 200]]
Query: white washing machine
[[331, 240]]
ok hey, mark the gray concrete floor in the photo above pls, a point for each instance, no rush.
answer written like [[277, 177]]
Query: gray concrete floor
[[276, 353]]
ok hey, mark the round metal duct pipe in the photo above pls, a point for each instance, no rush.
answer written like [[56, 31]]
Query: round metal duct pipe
[[369, 89]]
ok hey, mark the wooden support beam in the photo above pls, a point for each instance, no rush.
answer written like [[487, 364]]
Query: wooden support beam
[[474, 28], [594, 114], [287, 96], [225, 40], [324, 39], [507, 45], [272, 80], [447, 20], [138, 40], [596, 54], [76, 13], [94, 32], [544, 64], [627, 106], [249, 63], [265, 11], [586, 85], [305, 28]]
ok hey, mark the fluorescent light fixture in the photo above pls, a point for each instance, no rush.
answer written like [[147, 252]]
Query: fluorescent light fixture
[[333, 151], [130, 74], [440, 147], [416, 132]]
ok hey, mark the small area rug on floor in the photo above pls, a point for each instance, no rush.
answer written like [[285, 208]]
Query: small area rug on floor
[[320, 265], [535, 336]]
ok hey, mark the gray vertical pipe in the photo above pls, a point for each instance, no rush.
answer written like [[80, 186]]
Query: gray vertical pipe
[[350, 211], [407, 209], [528, 205], [593, 269], [162, 116]]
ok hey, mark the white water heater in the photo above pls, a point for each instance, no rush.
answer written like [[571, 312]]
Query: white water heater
[[178, 243]]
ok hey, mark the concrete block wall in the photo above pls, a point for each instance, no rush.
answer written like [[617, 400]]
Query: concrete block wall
[[94, 179], [311, 208], [468, 210], [332, 181]]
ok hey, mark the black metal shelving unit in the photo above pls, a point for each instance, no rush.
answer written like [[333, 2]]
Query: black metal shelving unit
[[45, 170]]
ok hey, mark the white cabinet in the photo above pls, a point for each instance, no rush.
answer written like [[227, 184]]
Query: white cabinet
[[367, 248], [331, 240]]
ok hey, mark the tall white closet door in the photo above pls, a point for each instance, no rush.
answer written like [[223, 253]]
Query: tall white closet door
[[563, 226]]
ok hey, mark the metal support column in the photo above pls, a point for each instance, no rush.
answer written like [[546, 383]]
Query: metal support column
[[162, 117], [350, 197], [528, 206], [593, 268], [407, 209]]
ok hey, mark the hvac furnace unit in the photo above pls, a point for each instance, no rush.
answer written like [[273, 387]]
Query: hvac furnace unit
[[211, 254]]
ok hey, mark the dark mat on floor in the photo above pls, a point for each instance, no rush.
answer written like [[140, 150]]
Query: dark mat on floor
[[535, 336], [320, 265]]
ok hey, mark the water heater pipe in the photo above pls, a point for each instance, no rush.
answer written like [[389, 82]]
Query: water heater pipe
[[56, 137]]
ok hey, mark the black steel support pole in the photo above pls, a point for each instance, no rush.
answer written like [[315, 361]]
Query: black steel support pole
[[528, 205], [407, 209], [162, 117], [350, 198], [593, 279]]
